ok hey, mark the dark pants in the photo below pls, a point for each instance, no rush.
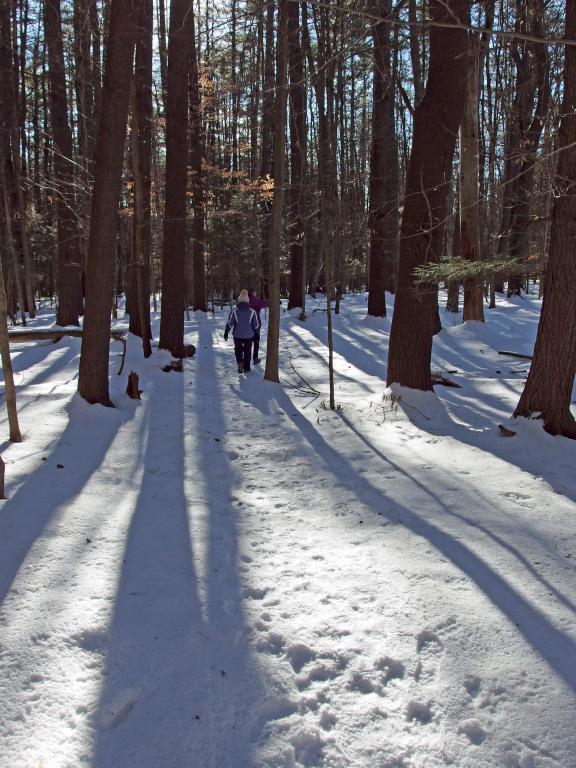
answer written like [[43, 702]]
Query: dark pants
[[256, 345], [242, 350]]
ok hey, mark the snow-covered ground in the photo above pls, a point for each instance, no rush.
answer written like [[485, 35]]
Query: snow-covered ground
[[227, 574]]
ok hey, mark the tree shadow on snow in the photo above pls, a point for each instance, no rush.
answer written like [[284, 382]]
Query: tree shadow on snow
[[49, 497], [546, 457], [553, 645], [180, 679]]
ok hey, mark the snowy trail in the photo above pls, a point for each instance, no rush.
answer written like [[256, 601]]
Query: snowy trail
[[228, 578]]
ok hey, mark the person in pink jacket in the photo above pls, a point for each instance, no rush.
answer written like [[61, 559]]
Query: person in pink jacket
[[257, 304]]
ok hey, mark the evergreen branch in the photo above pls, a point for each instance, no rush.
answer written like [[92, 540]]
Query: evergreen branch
[[461, 269]]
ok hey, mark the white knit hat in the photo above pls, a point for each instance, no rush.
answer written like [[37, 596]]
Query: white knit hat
[[243, 296]]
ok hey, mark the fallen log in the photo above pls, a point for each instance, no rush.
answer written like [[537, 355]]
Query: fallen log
[[439, 378], [516, 354], [55, 334]]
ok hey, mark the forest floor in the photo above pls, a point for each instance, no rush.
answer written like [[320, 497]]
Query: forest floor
[[227, 574]]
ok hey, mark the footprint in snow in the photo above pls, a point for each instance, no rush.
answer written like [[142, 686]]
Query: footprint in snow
[[427, 640], [255, 593], [328, 719], [473, 730], [472, 685], [299, 655], [364, 683], [391, 669], [515, 496], [271, 642], [419, 712]]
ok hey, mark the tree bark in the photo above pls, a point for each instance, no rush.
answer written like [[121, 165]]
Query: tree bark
[[93, 378], [298, 142], [13, 201], [15, 436], [266, 167], [162, 52], [197, 188], [548, 389], [271, 372], [469, 201], [436, 124], [383, 211], [180, 42], [141, 160], [69, 260], [525, 125]]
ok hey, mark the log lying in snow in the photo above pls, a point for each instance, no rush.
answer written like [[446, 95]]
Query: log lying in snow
[[439, 378], [55, 334], [516, 354]]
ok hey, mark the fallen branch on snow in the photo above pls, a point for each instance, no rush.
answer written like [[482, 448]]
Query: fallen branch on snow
[[55, 334]]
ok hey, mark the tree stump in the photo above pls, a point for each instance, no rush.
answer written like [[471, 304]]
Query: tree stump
[[132, 388]]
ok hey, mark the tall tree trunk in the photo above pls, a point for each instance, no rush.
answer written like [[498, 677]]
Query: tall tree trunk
[[298, 142], [436, 124], [141, 160], [162, 53], [415, 52], [197, 188], [267, 133], [95, 79], [326, 166], [7, 185], [383, 212], [524, 130], [548, 390], [180, 43], [10, 389], [469, 175], [9, 155], [271, 372], [17, 114], [69, 261], [85, 110], [234, 85], [93, 379]]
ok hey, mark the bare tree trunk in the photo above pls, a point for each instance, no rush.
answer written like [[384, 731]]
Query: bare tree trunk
[[5, 179], [469, 201], [271, 372], [141, 160], [415, 53], [180, 43], [85, 109], [69, 260], [548, 390], [17, 113], [436, 123], [162, 52], [326, 167], [93, 379], [197, 188], [524, 130], [383, 212], [298, 143], [267, 134], [15, 436], [9, 152]]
